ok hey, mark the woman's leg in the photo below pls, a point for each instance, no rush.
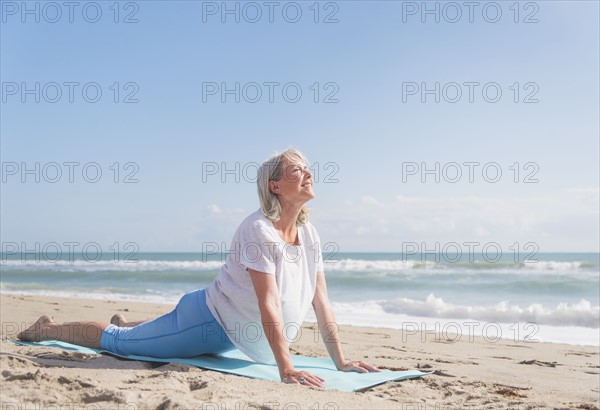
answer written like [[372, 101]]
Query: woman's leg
[[189, 330], [80, 333]]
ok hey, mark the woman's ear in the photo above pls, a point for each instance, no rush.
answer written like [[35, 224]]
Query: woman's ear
[[273, 187]]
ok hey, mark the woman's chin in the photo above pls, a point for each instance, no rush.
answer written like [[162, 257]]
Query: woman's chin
[[308, 198]]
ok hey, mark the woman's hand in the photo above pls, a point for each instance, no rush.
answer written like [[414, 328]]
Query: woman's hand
[[305, 378], [358, 366]]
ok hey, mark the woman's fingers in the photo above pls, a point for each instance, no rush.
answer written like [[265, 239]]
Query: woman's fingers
[[359, 368], [304, 378], [362, 367], [310, 379], [370, 367]]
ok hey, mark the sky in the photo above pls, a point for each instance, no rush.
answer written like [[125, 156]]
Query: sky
[[427, 123]]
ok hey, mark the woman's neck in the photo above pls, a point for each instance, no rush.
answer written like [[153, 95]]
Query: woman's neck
[[286, 224]]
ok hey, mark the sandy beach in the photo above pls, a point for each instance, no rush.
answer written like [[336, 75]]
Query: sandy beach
[[469, 374]]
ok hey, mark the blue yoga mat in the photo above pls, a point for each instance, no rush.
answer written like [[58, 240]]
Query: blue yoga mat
[[235, 362]]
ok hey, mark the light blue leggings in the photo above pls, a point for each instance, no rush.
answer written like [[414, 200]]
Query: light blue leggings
[[189, 330]]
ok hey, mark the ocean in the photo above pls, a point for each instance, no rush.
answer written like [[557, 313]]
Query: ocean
[[554, 298]]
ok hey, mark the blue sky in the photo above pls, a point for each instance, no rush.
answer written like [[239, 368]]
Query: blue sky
[[362, 144]]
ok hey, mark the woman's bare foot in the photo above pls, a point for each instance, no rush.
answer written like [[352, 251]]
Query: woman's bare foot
[[38, 331], [119, 320]]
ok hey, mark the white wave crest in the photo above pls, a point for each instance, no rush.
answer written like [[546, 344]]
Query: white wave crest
[[355, 265], [363, 265], [111, 265], [343, 265], [553, 265], [580, 314]]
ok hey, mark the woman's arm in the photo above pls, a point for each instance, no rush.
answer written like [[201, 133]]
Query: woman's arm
[[329, 330], [269, 304]]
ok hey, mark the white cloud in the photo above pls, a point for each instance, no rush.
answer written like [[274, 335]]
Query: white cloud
[[361, 230], [481, 231], [216, 224], [214, 209], [369, 200], [567, 220]]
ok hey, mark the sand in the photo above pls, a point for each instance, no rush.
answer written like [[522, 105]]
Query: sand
[[469, 374]]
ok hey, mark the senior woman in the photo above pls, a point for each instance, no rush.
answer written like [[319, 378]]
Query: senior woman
[[257, 302]]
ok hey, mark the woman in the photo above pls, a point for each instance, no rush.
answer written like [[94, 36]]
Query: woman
[[257, 302]]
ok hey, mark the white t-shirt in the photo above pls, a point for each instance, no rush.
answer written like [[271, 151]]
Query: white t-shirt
[[232, 299]]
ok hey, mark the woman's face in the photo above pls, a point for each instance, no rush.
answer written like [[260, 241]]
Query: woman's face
[[296, 183]]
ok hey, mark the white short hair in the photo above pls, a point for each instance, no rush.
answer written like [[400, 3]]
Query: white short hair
[[272, 170]]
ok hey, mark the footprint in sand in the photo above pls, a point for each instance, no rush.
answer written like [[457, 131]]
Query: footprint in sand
[[12, 376], [394, 369], [394, 348], [68, 356], [442, 373], [82, 383], [540, 363], [198, 384], [103, 395], [19, 361], [508, 392]]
